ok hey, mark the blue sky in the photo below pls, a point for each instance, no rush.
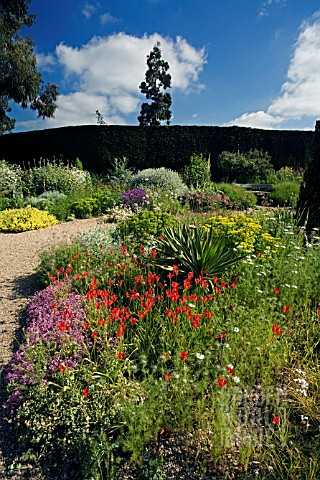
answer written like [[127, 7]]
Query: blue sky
[[252, 63]]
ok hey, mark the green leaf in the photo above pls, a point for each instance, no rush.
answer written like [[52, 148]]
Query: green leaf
[[197, 250]]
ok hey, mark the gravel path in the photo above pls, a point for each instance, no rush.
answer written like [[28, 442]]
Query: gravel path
[[19, 259]]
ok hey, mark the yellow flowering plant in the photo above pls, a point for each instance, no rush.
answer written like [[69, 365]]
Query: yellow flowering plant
[[244, 232], [24, 219]]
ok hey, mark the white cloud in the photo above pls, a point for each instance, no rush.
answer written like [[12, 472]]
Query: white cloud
[[276, 2], [117, 63], [46, 62], [263, 12], [107, 18], [256, 120], [77, 109], [105, 74], [89, 9], [267, 4], [300, 92]]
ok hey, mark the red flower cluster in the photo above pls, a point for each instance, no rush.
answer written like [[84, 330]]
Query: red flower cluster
[[86, 392], [221, 336], [183, 355], [121, 355], [145, 296], [63, 326], [221, 382], [276, 329], [276, 420]]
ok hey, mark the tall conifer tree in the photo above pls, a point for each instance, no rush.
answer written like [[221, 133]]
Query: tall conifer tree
[[157, 79]]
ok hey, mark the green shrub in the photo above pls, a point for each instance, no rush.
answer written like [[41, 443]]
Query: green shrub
[[159, 178], [54, 176], [45, 201], [250, 167], [56, 203], [85, 207], [6, 202], [106, 197], [84, 204], [25, 219], [40, 203], [285, 194], [239, 197], [141, 227], [10, 179], [61, 208], [197, 172], [285, 174]]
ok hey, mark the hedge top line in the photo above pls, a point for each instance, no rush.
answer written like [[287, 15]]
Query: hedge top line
[[167, 146], [162, 127]]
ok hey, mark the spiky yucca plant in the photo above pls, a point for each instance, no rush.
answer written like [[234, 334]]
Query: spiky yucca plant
[[195, 249]]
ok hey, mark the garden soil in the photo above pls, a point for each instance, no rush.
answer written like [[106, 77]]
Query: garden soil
[[19, 259]]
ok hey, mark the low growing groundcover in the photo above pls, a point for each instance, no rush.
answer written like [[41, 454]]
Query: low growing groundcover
[[121, 353]]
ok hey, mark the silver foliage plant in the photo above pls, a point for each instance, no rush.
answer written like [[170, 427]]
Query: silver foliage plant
[[162, 178]]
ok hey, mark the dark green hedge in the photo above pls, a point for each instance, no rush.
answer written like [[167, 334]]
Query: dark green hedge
[[308, 207], [96, 146]]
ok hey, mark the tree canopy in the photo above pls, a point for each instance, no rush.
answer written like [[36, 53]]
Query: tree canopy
[[20, 80], [157, 79]]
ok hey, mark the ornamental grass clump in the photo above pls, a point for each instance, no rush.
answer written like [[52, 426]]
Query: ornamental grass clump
[[285, 194], [25, 219]]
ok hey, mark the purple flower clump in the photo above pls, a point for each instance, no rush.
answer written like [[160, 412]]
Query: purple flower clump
[[54, 336], [135, 198]]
